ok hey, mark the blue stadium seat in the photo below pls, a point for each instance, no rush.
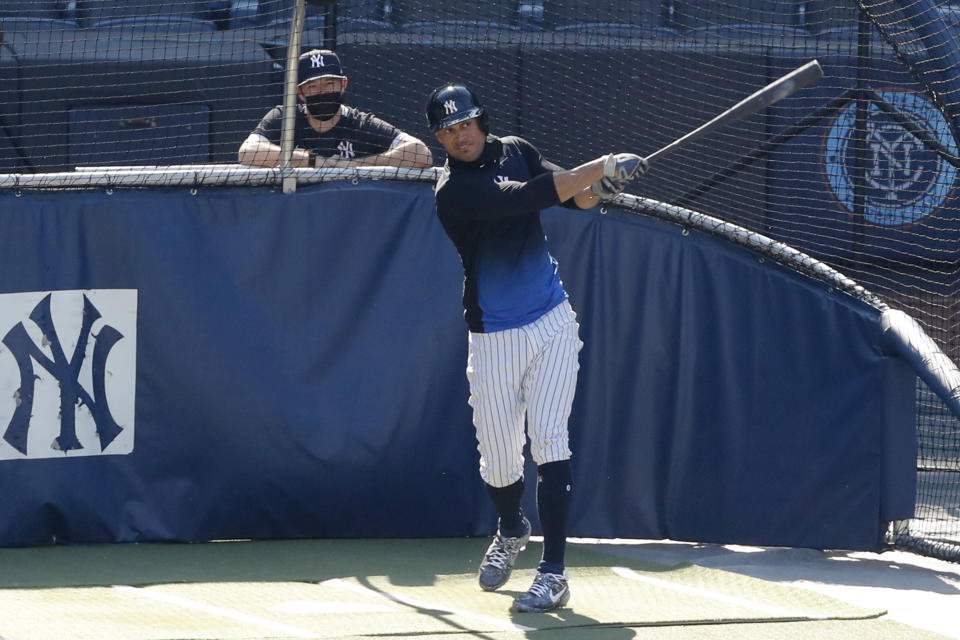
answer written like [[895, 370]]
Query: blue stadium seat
[[694, 14], [45, 9], [280, 11], [505, 12], [763, 34], [91, 12], [363, 25], [374, 10], [35, 25], [618, 30], [568, 13], [460, 30], [154, 25]]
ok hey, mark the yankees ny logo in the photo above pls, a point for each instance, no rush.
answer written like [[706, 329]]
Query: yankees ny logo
[[450, 106], [66, 372], [316, 61], [501, 179], [346, 149]]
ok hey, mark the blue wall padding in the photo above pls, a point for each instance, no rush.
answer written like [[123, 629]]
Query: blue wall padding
[[300, 373]]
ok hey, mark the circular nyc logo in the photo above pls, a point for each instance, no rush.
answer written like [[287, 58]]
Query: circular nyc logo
[[905, 181]]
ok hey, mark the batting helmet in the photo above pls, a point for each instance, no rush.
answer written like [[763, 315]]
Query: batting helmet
[[453, 103]]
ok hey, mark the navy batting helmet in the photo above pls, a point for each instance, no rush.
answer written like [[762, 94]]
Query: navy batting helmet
[[453, 103]]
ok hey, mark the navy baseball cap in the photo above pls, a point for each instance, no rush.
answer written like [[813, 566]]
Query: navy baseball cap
[[318, 63]]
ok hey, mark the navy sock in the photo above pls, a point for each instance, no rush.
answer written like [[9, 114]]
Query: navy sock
[[554, 486], [507, 500]]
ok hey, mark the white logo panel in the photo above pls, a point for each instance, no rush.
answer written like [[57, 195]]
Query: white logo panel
[[67, 373]]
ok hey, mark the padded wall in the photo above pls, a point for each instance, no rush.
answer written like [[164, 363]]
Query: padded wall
[[299, 371]]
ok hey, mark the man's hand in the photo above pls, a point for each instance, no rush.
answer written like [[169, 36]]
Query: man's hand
[[333, 162], [619, 170]]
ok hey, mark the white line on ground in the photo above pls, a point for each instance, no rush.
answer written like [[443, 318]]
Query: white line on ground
[[237, 616], [331, 608], [630, 574], [419, 604]]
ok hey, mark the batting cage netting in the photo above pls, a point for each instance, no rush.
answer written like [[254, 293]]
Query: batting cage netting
[[857, 171]]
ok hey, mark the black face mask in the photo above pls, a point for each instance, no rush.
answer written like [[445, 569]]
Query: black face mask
[[324, 106]]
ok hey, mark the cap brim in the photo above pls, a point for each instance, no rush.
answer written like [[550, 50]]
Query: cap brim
[[451, 120], [324, 75]]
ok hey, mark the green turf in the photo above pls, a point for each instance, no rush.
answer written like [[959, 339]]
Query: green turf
[[391, 588]]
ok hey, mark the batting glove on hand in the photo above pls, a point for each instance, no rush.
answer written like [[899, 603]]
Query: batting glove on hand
[[619, 169]]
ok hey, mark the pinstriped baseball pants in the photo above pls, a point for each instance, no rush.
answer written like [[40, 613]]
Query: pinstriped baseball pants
[[531, 372]]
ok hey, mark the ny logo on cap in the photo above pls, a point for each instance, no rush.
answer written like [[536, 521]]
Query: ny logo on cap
[[450, 106], [317, 61]]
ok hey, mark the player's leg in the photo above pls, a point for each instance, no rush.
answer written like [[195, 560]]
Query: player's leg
[[495, 370], [551, 383]]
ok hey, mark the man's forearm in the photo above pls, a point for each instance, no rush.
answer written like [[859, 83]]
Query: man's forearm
[[415, 155], [267, 154], [572, 182]]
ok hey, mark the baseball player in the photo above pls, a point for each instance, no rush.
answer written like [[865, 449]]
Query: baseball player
[[523, 334], [327, 133]]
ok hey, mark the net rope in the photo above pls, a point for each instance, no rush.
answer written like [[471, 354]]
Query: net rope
[[856, 173]]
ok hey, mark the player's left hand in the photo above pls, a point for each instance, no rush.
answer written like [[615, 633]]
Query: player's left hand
[[618, 171], [623, 167]]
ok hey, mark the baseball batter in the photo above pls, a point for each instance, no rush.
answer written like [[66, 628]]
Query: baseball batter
[[523, 334]]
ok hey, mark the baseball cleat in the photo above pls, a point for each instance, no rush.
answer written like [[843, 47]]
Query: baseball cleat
[[549, 591], [499, 558]]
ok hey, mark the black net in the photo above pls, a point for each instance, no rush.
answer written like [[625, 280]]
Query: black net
[[858, 170]]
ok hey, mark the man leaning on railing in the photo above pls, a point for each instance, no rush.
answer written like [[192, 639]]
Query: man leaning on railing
[[328, 133]]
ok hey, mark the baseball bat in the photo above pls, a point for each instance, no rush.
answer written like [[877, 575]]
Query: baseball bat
[[776, 90]]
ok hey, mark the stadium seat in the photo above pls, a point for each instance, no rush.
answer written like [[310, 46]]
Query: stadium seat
[[362, 25], [27, 25], [505, 12], [618, 30], [281, 11], [90, 12], [568, 14], [154, 25], [763, 34], [466, 31], [694, 14], [45, 9], [375, 10]]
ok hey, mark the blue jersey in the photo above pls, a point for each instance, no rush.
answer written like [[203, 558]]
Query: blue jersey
[[490, 209]]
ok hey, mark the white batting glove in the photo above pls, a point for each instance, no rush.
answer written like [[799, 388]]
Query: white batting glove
[[619, 170]]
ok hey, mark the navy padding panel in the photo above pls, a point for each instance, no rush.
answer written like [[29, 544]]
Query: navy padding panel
[[301, 373], [723, 398], [301, 366]]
